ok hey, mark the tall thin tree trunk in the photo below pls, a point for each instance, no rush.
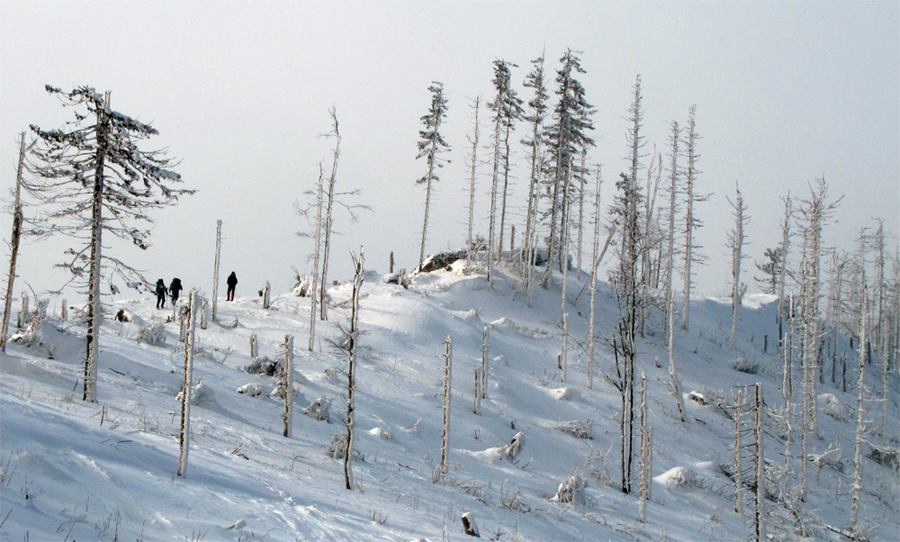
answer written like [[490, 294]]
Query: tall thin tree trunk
[[288, 384], [94, 314], [469, 241], [13, 244], [351, 347], [759, 516], [861, 386], [187, 382], [445, 425], [215, 289], [313, 294], [329, 220]]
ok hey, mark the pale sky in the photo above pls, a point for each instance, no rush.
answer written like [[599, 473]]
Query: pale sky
[[785, 92]]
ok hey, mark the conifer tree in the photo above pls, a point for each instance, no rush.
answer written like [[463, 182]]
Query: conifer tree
[[430, 146], [565, 137], [95, 179], [691, 223], [507, 108], [538, 112]]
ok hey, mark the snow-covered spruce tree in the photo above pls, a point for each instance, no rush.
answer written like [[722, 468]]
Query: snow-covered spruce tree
[[691, 222], [736, 242], [473, 164], [430, 146], [565, 137], [625, 281], [95, 179], [537, 107], [507, 108], [14, 239], [770, 267]]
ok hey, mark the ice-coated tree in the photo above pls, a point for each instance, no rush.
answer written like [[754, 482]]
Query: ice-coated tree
[[327, 219], [691, 222], [537, 108], [317, 239], [770, 267], [14, 239], [288, 384], [736, 242], [565, 137], [625, 282], [673, 189], [430, 146], [215, 289], [445, 424], [94, 179], [348, 347], [813, 215], [507, 108], [782, 271], [473, 164], [759, 468], [856, 489], [187, 382], [593, 278]]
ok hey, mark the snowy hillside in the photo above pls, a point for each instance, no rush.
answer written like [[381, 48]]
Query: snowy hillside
[[107, 471]]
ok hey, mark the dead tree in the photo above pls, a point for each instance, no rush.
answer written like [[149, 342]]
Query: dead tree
[[15, 237], [186, 383]]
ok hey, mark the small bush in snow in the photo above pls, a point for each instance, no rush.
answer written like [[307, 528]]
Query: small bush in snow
[[154, 335], [33, 339], [514, 447], [833, 406], [744, 365], [576, 428], [265, 366], [885, 456], [303, 287], [319, 409], [571, 490], [200, 394], [337, 446], [253, 390]]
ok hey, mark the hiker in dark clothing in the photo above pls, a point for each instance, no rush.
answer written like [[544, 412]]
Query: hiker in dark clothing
[[232, 284], [175, 289], [161, 292]]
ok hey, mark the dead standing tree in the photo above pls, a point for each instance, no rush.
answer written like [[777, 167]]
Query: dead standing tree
[[15, 238], [95, 179]]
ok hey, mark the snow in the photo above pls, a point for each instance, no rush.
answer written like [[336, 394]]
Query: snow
[[104, 471]]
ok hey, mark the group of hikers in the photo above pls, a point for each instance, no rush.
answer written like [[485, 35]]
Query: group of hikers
[[175, 289]]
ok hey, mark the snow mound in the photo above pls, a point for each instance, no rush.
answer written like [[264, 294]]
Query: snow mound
[[564, 394], [253, 390], [380, 432], [676, 478], [832, 406]]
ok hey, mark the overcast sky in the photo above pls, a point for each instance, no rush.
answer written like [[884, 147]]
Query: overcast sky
[[785, 92]]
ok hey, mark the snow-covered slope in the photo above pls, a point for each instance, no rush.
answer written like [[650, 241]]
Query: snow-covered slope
[[107, 471]]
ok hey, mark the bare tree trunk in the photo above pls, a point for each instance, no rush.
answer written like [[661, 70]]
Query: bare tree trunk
[[736, 239], [485, 349], [351, 347], [782, 273], [474, 157], [215, 290], [593, 279], [94, 314], [186, 383], [644, 464], [288, 384], [329, 221], [13, 244], [563, 355], [759, 516], [445, 425], [313, 294], [861, 386], [690, 221], [673, 375], [736, 462], [578, 251]]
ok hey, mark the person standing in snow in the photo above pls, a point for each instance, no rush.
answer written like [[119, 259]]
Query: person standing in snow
[[175, 289], [161, 292], [232, 284]]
